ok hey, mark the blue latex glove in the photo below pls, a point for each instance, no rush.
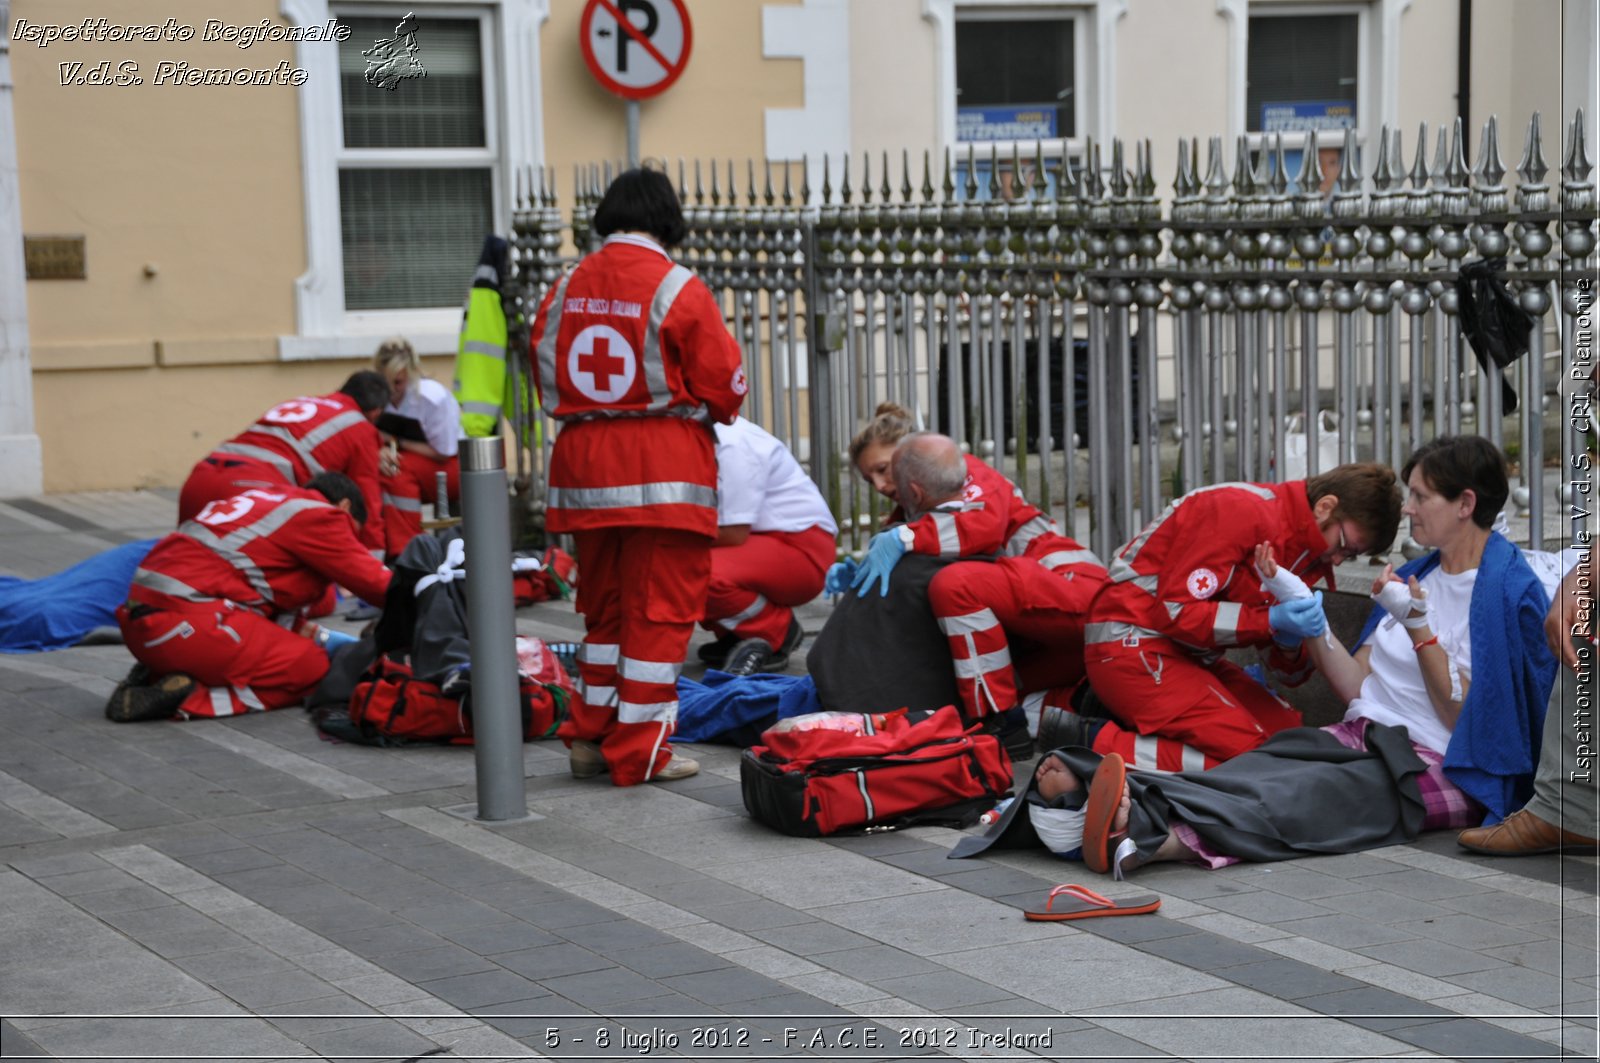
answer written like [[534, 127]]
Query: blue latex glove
[[840, 573], [330, 640], [1293, 621], [883, 553]]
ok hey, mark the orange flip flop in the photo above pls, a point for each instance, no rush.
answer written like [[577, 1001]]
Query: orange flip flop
[[1080, 902], [1105, 794]]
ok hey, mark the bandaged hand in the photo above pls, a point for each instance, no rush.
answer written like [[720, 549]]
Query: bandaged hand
[[839, 576], [1282, 584], [1406, 603], [1295, 621], [883, 553]]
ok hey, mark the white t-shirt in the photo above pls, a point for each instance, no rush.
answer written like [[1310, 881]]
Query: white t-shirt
[[431, 405], [1394, 692], [760, 484]]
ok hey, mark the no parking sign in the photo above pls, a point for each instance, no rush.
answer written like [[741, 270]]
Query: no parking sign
[[635, 48]]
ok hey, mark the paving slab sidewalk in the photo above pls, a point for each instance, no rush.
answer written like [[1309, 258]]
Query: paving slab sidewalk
[[236, 889]]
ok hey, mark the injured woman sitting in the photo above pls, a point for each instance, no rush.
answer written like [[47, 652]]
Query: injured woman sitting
[[1429, 741]]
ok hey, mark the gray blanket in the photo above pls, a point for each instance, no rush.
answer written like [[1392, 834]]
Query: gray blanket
[[1300, 793]]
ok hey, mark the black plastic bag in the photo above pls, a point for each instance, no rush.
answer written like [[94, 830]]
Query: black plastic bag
[[1493, 322]]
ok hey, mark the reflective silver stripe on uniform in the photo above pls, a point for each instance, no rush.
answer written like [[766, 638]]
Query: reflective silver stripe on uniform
[[493, 350], [249, 698], [1144, 753], [599, 652], [669, 493], [1173, 609], [231, 546], [604, 697], [664, 712], [1121, 572], [409, 505], [330, 428], [485, 272], [165, 584], [261, 454], [1131, 551], [969, 623], [1017, 545], [1058, 558], [488, 409], [949, 538], [983, 664], [744, 614], [1225, 628], [653, 365], [221, 702], [1115, 631], [648, 671], [550, 390], [1193, 759]]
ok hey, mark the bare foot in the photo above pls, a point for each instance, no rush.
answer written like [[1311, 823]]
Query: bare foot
[[1055, 778], [1119, 822]]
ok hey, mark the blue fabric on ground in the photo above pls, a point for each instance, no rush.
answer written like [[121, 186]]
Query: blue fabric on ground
[[58, 611], [724, 703], [1495, 744]]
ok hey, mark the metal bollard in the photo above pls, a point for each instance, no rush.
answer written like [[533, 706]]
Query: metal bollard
[[491, 619], [441, 496]]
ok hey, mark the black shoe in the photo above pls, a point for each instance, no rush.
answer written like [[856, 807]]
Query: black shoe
[[160, 701], [1062, 727], [751, 656], [138, 676], [712, 652]]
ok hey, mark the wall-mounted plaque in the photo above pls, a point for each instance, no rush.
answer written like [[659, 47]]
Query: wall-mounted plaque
[[55, 258]]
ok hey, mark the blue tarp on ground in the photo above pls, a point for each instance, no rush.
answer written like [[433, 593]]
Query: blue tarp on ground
[[727, 705], [59, 610]]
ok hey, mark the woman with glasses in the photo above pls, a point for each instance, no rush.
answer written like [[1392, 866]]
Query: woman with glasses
[[1428, 741]]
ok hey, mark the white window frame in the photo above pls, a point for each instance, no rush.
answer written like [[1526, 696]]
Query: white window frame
[[514, 132], [1094, 69], [1377, 62]]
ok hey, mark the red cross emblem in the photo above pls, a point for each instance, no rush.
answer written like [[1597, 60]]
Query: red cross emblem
[[601, 363], [1202, 583]]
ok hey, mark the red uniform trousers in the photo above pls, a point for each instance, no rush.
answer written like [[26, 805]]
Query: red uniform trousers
[[755, 585], [641, 591], [241, 660], [1010, 622], [1171, 712], [404, 493], [216, 477]]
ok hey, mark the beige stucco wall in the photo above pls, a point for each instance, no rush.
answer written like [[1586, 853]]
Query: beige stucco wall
[[716, 109], [893, 81], [1190, 40]]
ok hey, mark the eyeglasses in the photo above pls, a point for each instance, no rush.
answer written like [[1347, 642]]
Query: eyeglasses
[[1345, 550]]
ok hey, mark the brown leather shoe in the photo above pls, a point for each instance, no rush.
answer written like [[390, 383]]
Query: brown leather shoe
[[1524, 834]]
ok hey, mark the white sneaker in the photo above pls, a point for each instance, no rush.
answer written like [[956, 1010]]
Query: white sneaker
[[586, 760], [678, 767]]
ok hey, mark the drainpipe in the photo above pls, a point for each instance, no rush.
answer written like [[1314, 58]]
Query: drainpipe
[[21, 460]]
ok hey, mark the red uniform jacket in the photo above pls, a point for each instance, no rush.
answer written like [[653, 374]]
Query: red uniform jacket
[[306, 436], [271, 551], [631, 354], [995, 518], [1190, 574]]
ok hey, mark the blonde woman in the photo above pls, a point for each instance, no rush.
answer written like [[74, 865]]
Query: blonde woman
[[421, 429]]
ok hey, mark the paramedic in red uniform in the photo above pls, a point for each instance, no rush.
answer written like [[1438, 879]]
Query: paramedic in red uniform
[[775, 541], [1185, 590], [215, 615], [1014, 624], [632, 357], [296, 440]]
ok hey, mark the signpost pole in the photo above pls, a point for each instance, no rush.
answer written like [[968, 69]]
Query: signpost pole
[[633, 134]]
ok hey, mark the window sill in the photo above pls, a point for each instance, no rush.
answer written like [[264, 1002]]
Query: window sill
[[431, 332]]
